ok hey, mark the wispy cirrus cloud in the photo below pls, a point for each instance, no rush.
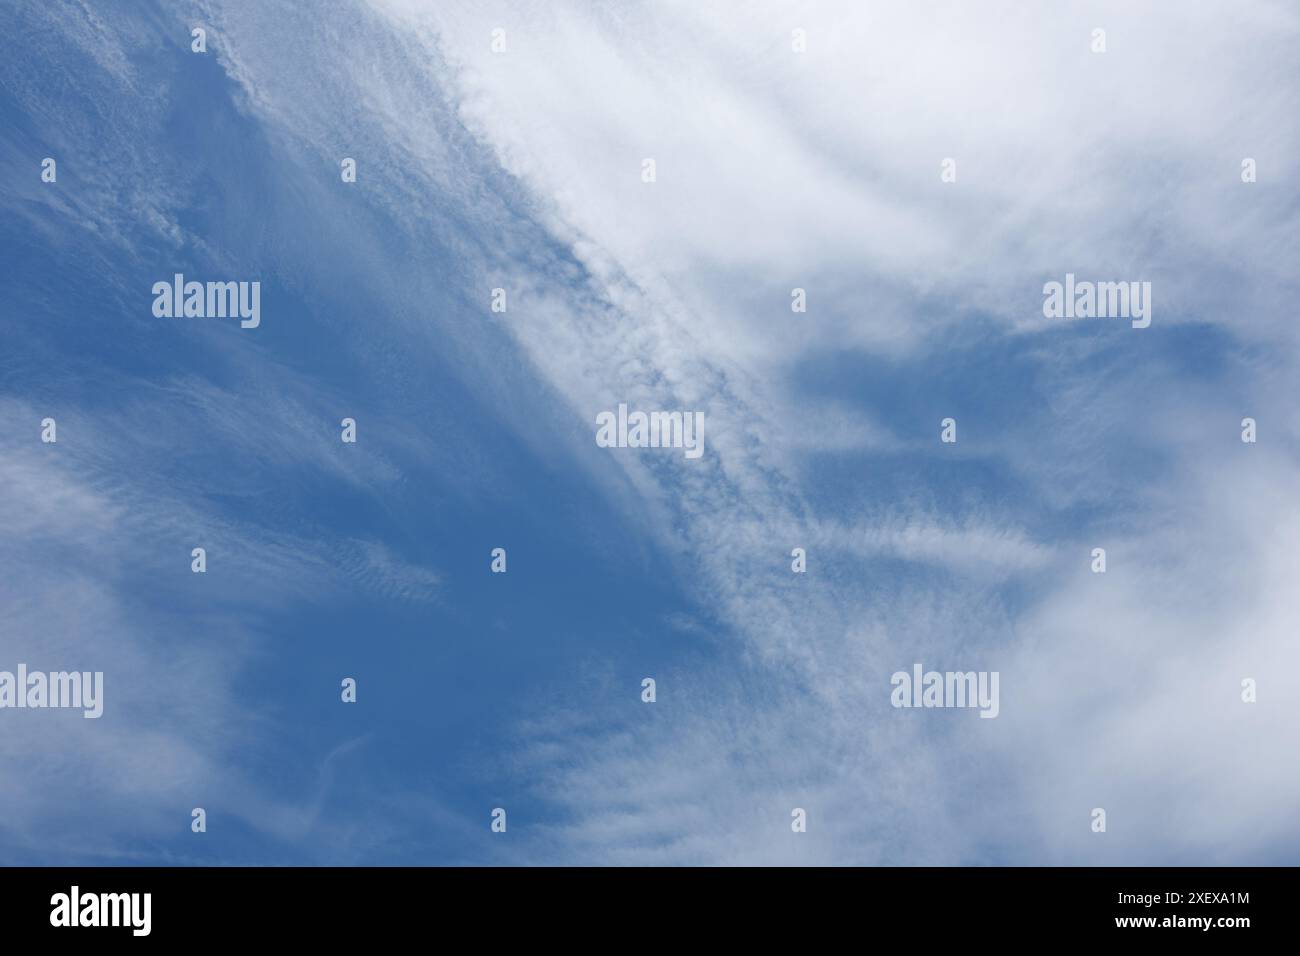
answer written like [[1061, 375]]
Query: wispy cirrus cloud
[[820, 171], [781, 179]]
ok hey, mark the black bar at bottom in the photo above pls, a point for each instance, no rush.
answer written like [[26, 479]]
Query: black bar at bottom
[[333, 905]]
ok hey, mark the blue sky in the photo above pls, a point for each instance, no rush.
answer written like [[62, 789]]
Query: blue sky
[[522, 170]]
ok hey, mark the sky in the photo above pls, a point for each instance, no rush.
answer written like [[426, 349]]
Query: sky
[[795, 146]]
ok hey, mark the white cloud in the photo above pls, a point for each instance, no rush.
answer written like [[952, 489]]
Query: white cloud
[[777, 172], [823, 173]]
